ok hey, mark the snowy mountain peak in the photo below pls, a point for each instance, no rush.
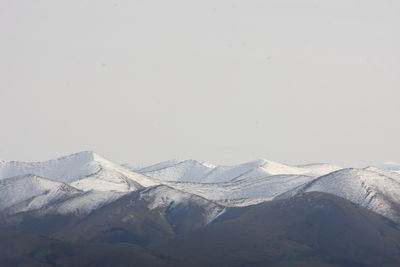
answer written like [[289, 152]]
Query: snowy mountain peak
[[82, 157], [85, 170], [64, 169]]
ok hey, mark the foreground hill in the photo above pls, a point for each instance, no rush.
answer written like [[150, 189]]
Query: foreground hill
[[32, 250], [312, 229], [141, 217], [144, 217]]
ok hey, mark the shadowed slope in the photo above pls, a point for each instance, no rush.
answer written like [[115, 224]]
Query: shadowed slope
[[312, 228]]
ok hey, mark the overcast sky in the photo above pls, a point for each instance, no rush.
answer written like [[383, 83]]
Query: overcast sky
[[295, 81]]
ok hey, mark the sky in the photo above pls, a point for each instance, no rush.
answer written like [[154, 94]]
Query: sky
[[295, 81]]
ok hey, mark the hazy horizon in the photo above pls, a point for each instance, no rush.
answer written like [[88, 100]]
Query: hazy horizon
[[226, 82]]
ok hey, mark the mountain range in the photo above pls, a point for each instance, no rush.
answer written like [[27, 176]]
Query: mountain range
[[85, 210]]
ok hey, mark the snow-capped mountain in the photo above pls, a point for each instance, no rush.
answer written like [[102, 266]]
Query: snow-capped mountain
[[65, 169], [194, 171], [74, 184], [84, 170], [83, 182], [369, 189]]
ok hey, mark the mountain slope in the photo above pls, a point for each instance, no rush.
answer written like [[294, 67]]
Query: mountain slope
[[41, 197], [392, 174], [141, 217], [243, 191], [372, 190], [146, 216], [33, 250], [314, 229], [30, 192]]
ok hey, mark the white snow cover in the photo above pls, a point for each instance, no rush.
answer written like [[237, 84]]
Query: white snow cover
[[244, 191], [29, 192], [85, 203], [194, 171], [61, 191], [82, 182], [390, 166], [105, 175], [113, 172], [369, 189], [93, 183], [164, 196], [392, 174], [188, 170], [65, 169]]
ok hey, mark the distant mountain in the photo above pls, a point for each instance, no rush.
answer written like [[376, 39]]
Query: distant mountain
[[65, 169], [390, 166], [188, 170], [194, 171], [84, 170]]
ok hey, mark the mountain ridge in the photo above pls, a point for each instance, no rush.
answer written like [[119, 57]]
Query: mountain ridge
[[266, 212], [244, 184]]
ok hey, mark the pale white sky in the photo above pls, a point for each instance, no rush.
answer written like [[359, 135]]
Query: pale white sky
[[224, 81]]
